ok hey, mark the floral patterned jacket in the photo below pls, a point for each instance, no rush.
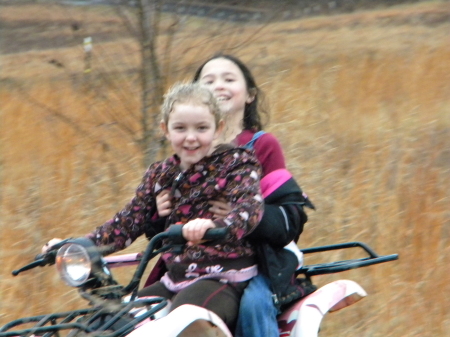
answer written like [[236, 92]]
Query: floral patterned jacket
[[229, 173]]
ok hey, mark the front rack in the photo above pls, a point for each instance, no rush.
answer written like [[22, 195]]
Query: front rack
[[87, 321]]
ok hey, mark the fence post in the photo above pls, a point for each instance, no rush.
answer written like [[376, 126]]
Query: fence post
[[87, 54]]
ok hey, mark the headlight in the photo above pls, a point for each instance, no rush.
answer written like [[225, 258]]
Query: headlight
[[80, 264], [74, 264]]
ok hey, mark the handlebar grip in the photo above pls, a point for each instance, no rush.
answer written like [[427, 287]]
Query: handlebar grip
[[216, 233], [40, 256], [48, 258], [175, 233]]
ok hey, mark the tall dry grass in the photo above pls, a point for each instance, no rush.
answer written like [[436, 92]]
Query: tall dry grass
[[360, 103]]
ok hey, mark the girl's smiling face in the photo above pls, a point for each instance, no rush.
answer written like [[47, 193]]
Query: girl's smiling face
[[191, 130], [226, 81]]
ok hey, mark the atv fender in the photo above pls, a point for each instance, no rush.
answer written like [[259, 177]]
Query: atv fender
[[303, 318], [185, 321]]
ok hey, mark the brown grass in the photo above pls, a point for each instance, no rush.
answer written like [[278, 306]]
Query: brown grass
[[360, 103]]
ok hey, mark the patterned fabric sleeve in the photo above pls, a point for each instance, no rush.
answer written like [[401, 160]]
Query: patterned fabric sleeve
[[128, 224], [243, 192]]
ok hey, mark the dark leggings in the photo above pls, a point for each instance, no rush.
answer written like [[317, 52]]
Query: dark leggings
[[221, 298]]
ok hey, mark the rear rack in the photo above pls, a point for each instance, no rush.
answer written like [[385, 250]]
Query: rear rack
[[344, 265]]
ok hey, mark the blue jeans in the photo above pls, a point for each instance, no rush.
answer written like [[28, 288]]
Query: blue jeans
[[257, 312]]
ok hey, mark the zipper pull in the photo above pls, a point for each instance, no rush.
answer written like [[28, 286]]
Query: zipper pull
[[176, 183]]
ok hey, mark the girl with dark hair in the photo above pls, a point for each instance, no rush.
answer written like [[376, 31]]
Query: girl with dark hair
[[252, 110]]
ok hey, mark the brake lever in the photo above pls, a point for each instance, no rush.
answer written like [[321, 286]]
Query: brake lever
[[43, 259]]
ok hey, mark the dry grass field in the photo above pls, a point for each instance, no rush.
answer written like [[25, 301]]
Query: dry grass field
[[360, 103]]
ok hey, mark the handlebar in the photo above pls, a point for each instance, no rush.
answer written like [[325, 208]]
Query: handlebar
[[175, 235]]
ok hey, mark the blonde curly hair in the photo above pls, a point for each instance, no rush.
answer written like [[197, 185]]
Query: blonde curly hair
[[190, 93]]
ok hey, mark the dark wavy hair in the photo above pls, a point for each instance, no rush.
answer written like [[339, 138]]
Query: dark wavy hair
[[252, 115]]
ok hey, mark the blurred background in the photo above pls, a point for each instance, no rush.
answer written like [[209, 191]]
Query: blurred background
[[358, 93]]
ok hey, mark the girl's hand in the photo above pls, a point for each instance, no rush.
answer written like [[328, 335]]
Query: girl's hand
[[220, 208], [163, 203], [195, 230], [49, 245]]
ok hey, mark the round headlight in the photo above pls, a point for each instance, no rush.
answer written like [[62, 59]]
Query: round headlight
[[74, 264]]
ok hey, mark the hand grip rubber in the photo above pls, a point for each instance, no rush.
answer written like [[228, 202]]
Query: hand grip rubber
[[175, 233]]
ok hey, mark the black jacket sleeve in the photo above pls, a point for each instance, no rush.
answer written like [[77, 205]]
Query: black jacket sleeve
[[284, 216]]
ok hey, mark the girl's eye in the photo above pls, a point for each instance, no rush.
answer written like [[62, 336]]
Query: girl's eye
[[229, 80], [178, 128], [207, 82], [203, 128]]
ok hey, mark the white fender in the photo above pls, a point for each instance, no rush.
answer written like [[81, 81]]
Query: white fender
[[304, 317], [185, 321]]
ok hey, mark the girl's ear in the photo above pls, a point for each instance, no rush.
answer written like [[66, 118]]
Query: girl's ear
[[219, 129], [251, 95], [163, 127]]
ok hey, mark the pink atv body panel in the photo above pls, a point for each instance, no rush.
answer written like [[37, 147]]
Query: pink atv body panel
[[303, 318]]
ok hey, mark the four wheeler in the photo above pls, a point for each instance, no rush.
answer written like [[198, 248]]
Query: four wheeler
[[115, 310]]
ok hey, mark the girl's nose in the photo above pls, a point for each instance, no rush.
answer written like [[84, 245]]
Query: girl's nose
[[218, 85], [191, 136]]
